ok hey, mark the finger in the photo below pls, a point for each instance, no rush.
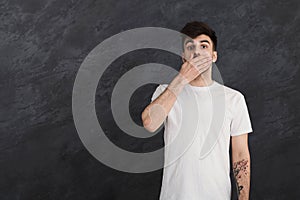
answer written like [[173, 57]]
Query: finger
[[204, 60], [200, 62], [201, 57], [203, 67]]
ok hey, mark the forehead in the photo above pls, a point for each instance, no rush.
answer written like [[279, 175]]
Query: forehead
[[199, 38]]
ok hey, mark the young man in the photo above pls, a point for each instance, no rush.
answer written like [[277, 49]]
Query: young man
[[190, 177]]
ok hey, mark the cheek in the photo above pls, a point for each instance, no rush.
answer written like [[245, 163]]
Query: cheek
[[206, 52], [188, 54]]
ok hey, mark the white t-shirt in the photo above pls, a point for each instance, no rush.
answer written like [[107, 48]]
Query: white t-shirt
[[194, 169]]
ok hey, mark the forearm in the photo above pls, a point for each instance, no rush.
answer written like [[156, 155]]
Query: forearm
[[241, 172], [157, 111]]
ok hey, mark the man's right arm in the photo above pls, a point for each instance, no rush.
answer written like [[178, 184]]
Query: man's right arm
[[156, 112]]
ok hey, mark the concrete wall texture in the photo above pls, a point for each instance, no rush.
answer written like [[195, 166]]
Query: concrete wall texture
[[43, 44]]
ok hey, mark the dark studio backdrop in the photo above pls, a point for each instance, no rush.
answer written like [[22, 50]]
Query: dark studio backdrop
[[44, 42]]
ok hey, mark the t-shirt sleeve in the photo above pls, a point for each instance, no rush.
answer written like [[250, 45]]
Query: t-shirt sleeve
[[159, 89], [241, 122]]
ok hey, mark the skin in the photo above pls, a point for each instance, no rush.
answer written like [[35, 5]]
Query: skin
[[203, 46], [241, 165], [197, 71]]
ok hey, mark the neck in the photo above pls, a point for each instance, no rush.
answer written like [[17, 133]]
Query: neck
[[203, 79]]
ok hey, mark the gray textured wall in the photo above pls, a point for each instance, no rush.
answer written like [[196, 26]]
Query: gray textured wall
[[43, 44]]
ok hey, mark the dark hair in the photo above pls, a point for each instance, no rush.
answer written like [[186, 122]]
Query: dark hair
[[194, 29]]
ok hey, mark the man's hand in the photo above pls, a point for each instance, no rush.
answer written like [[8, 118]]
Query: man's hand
[[156, 112], [192, 68]]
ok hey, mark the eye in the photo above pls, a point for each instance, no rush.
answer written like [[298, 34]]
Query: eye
[[191, 47], [203, 46]]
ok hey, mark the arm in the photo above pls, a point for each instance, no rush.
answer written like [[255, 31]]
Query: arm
[[156, 112], [241, 165]]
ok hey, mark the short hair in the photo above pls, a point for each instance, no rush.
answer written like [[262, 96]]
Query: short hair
[[195, 28]]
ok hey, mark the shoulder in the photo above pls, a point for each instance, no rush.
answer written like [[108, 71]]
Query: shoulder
[[233, 94], [233, 97], [164, 85], [235, 101], [161, 87]]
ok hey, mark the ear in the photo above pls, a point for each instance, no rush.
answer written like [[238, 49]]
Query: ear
[[215, 56]]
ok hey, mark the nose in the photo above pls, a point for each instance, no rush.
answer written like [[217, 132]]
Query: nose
[[197, 51], [196, 54]]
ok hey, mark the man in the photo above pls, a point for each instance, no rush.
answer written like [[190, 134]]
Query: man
[[207, 178]]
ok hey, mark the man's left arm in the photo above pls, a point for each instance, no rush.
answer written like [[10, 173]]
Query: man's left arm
[[241, 165]]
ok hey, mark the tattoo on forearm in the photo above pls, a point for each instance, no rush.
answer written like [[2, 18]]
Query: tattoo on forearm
[[239, 171]]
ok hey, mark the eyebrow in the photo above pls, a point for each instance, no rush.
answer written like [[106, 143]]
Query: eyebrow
[[199, 41]]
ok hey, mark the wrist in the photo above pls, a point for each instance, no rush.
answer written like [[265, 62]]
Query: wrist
[[177, 84]]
